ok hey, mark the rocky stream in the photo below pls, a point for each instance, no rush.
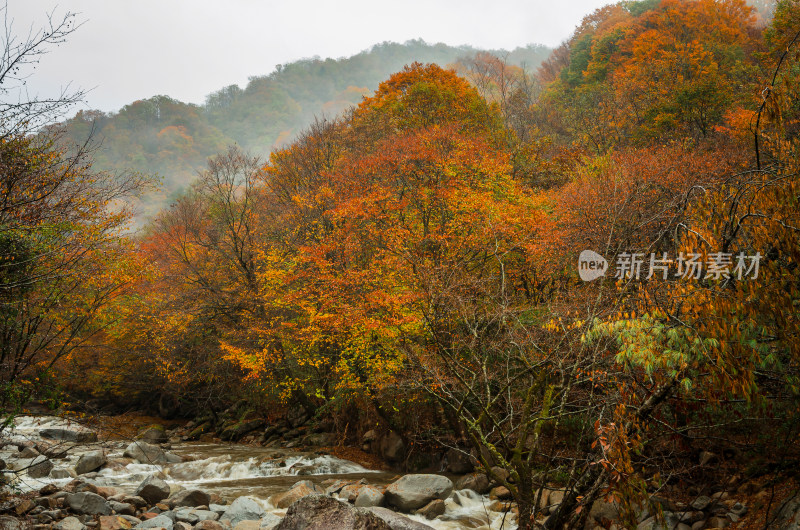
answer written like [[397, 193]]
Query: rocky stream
[[70, 480]]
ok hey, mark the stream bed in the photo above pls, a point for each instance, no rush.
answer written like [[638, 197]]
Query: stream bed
[[227, 470]]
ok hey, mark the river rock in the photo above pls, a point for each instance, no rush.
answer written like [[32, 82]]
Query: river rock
[[189, 498], [701, 502], [270, 521], [90, 461], [247, 525], [159, 521], [144, 453], [477, 482], [114, 522], [297, 415], [503, 493], [88, 503], [459, 462], [28, 452], [318, 512], [153, 490], [243, 509], [391, 447], [208, 525], [397, 521], [24, 506], [412, 492], [350, 492], [603, 511], [12, 523], [135, 500], [39, 467], [69, 523], [298, 491], [122, 508], [155, 434], [432, 510], [192, 516], [58, 473], [369, 496], [69, 435]]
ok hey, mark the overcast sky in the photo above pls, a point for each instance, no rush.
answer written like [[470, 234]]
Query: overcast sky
[[134, 49]]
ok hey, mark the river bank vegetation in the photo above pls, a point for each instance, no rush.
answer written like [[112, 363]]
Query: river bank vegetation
[[412, 266]]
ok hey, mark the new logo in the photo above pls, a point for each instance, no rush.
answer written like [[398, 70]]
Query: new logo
[[591, 265]]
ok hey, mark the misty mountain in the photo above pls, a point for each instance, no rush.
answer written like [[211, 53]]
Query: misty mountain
[[172, 139]]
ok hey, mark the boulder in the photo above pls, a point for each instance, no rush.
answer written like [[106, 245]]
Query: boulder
[[69, 435], [28, 452], [297, 415], [500, 473], [477, 482], [191, 516], [701, 503], [88, 503], [189, 498], [58, 473], [243, 428], [39, 467], [12, 523], [155, 434], [397, 521], [90, 461], [24, 506], [135, 500], [350, 492], [459, 462], [159, 521], [432, 510], [243, 509], [707, 457], [122, 508], [48, 489], [603, 511], [337, 486], [269, 522], [78, 485], [144, 453], [369, 496], [153, 490], [68, 523], [320, 439], [298, 491], [318, 512], [392, 448], [412, 492], [107, 491], [502, 493]]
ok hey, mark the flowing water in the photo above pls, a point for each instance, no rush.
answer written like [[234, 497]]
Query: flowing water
[[231, 470]]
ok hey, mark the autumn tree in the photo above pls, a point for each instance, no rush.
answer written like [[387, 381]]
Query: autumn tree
[[63, 256]]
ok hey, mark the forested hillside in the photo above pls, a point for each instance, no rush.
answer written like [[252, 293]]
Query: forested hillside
[[160, 135]]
